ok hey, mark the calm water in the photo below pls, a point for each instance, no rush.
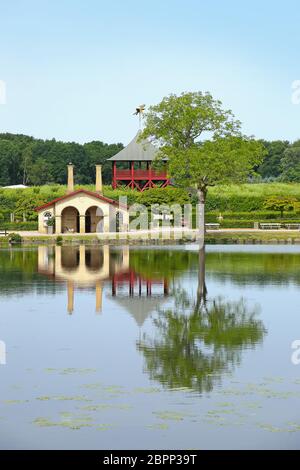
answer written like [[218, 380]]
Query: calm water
[[144, 348]]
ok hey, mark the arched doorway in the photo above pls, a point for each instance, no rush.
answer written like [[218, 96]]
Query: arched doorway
[[70, 220], [94, 220], [70, 258], [94, 259]]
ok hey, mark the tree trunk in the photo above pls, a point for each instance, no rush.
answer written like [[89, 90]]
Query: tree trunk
[[201, 289], [201, 216]]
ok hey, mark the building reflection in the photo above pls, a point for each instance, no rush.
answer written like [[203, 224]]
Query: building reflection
[[88, 267]]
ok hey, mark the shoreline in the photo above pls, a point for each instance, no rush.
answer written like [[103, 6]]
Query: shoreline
[[178, 237]]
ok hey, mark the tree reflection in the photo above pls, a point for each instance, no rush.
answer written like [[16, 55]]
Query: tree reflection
[[199, 339]]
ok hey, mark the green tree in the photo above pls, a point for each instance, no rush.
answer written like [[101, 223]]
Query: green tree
[[39, 172], [290, 164], [281, 204], [203, 144], [21, 160], [192, 348], [26, 164], [271, 166], [198, 339], [98, 153], [9, 156]]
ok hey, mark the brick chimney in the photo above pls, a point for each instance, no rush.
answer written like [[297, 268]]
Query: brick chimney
[[70, 178], [99, 179]]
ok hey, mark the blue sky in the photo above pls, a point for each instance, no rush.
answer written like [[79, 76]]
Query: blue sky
[[75, 69]]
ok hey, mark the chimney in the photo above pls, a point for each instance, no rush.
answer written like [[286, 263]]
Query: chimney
[[99, 179], [70, 178]]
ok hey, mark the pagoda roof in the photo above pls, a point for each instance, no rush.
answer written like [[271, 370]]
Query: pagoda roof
[[140, 308], [136, 151]]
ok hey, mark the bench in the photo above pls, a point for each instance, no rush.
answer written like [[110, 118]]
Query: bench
[[292, 226], [269, 226], [212, 226], [3, 232]]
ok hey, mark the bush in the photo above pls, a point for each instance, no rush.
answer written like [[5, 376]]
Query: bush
[[256, 216], [168, 195], [59, 240], [30, 226], [247, 200], [233, 223], [15, 238], [51, 222], [247, 197], [280, 204]]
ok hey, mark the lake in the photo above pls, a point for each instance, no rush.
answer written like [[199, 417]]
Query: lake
[[149, 347]]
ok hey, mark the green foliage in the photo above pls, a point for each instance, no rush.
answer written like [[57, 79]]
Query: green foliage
[[178, 122], [28, 226], [166, 195], [280, 203], [15, 238], [51, 222], [192, 349], [271, 166], [290, 164], [247, 197], [243, 203], [25, 160]]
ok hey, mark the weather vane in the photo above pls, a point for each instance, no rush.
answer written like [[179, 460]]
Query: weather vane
[[139, 111]]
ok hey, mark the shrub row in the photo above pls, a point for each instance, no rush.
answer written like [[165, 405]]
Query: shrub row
[[235, 202], [256, 216], [19, 226], [232, 223]]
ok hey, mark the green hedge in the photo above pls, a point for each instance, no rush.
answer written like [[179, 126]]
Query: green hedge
[[247, 197], [235, 202], [257, 216], [19, 226], [233, 223]]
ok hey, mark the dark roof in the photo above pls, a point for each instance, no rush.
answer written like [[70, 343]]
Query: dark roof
[[89, 193], [136, 151], [140, 308]]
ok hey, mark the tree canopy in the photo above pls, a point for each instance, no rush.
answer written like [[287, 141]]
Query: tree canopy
[[29, 161], [290, 164], [202, 141], [193, 349]]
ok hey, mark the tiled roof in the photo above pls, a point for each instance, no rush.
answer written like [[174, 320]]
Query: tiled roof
[[78, 191]]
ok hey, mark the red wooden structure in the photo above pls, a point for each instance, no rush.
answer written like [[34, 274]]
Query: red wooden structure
[[139, 174], [132, 280]]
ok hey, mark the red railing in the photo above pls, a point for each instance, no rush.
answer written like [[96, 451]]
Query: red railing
[[140, 174]]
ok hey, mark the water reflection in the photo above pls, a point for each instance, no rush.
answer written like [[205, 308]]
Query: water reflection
[[200, 338], [199, 335], [85, 267]]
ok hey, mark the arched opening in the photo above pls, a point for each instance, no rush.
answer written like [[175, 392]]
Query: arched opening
[[94, 220], [70, 220], [70, 258], [94, 259]]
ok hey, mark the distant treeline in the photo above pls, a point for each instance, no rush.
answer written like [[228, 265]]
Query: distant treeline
[[30, 161]]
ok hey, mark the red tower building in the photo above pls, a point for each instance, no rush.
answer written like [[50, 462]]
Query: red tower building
[[135, 167]]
